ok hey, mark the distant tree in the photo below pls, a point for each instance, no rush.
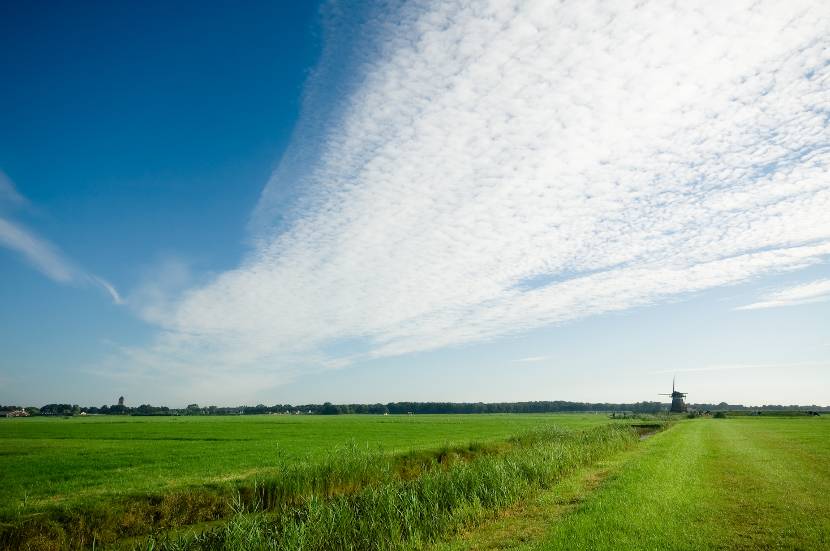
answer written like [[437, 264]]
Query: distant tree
[[255, 410], [405, 407], [56, 409], [147, 409]]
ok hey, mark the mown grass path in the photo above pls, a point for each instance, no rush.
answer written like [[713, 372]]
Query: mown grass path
[[770, 479], [741, 483]]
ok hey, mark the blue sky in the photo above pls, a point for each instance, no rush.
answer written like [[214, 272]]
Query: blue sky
[[330, 201]]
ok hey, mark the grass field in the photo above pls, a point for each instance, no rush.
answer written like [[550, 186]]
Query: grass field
[[410, 512], [737, 483], [104, 477], [53, 460]]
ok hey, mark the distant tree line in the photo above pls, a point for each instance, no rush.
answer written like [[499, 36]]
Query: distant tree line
[[723, 406], [393, 408]]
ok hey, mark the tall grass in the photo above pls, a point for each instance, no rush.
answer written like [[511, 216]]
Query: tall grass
[[358, 498], [398, 513]]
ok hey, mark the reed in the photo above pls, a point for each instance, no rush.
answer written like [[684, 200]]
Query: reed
[[358, 503]]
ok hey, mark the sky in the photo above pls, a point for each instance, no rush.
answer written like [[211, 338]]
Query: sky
[[432, 201]]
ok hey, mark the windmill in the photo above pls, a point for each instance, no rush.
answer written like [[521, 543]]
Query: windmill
[[677, 403]]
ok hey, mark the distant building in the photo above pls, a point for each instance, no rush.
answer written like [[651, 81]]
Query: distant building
[[121, 401], [18, 413]]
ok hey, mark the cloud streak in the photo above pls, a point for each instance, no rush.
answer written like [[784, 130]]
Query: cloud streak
[[40, 253], [807, 293], [532, 359], [753, 366], [8, 193], [497, 168]]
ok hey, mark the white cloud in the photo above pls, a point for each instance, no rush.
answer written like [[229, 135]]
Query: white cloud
[[532, 359], [501, 166], [815, 291], [41, 254], [8, 193], [740, 366], [160, 283], [109, 288]]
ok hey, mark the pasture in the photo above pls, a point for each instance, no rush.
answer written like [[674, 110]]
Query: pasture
[[540, 482], [50, 460], [105, 477]]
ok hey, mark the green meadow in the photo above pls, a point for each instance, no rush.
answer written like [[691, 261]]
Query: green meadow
[[81, 480], [443, 482], [48, 460]]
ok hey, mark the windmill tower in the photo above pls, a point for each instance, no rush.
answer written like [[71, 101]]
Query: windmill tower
[[677, 403]]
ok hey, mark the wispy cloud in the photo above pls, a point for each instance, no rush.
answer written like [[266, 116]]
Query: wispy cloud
[[815, 291], [40, 253], [739, 366], [160, 284], [109, 288], [532, 359], [615, 154], [8, 193]]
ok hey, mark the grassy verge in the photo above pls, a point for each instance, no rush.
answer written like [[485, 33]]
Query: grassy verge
[[408, 512], [299, 492], [48, 461], [529, 519]]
